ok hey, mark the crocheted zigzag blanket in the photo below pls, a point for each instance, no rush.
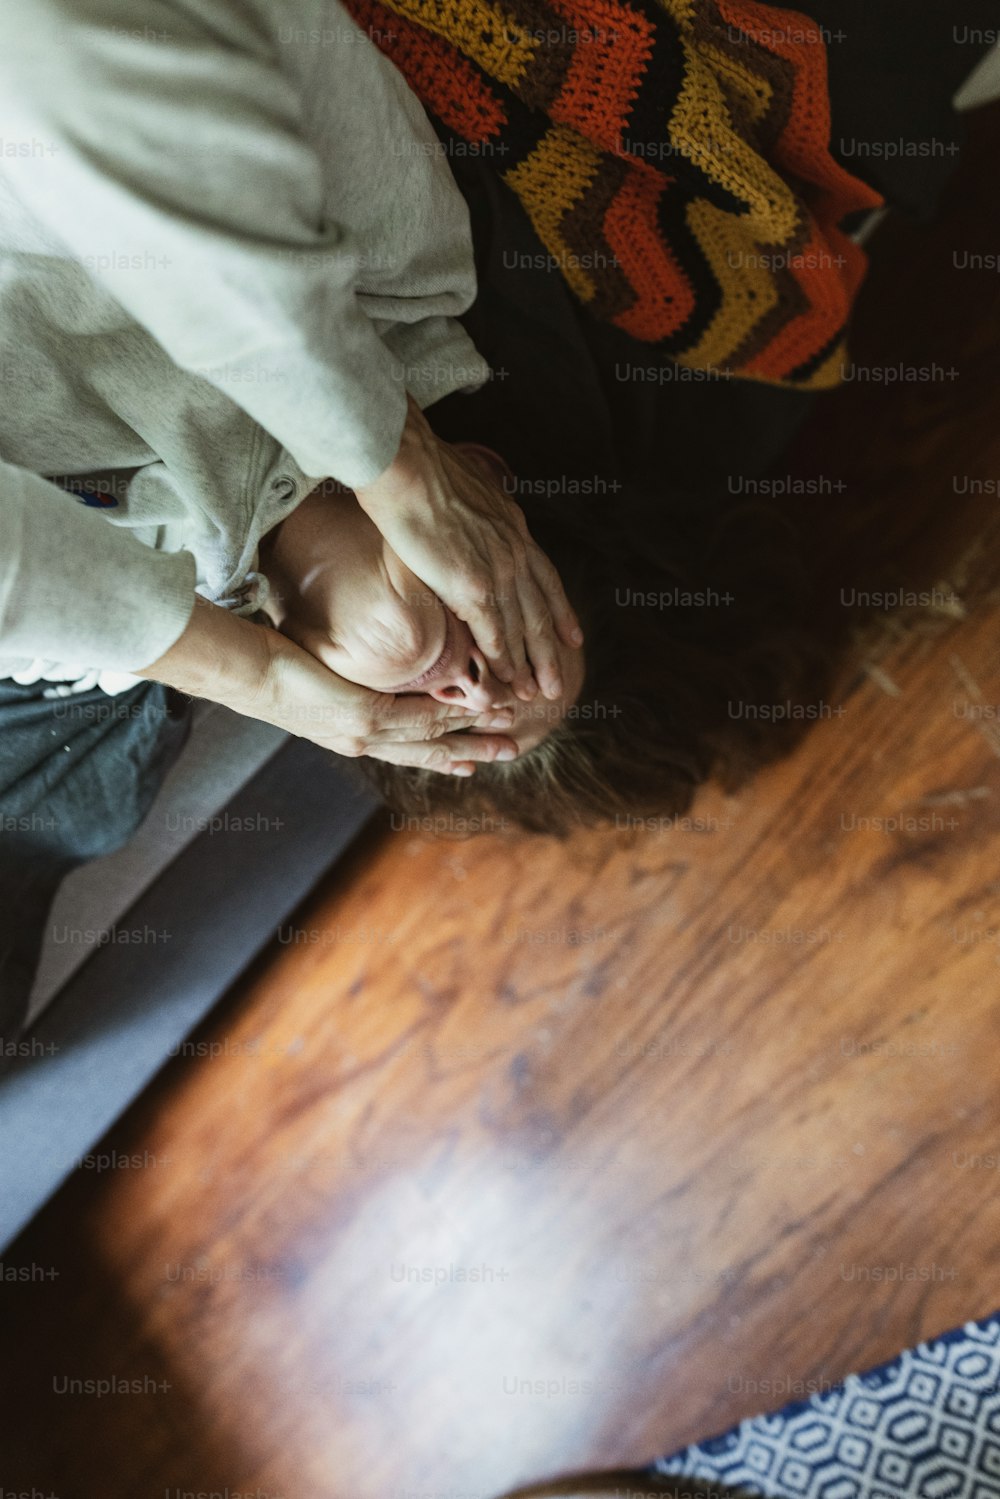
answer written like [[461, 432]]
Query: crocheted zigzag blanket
[[673, 156]]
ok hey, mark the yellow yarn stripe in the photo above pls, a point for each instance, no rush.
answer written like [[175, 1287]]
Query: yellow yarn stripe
[[756, 90], [748, 292], [829, 373], [681, 10], [699, 129], [484, 32], [548, 182]]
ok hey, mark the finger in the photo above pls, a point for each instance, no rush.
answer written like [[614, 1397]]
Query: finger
[[508, 565], [482, 612], [454, 755], [417, 716], [515, 631], [481, 747], [563, 614], [543, 647], [419, 757]]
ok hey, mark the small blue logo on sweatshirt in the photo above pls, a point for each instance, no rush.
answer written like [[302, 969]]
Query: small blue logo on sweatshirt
[[96, 499]]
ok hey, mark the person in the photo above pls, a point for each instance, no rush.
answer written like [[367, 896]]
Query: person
[[689, 628], [223, 286], [210, 339], [338, 589], [629, 482], [219, 287]]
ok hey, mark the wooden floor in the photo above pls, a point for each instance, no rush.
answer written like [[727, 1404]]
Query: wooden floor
[[523, 1157]]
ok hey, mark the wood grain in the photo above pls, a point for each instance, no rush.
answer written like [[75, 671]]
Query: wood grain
[[514, 1156]]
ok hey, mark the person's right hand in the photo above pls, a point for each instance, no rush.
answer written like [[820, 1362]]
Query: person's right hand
[[461, 534], [258, 672]]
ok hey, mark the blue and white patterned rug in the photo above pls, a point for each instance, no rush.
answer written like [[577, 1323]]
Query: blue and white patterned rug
[[925, 1426]]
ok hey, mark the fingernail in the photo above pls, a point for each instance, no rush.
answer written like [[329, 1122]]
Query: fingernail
[[576, 635], [461, 770], [502, 719], [507, 754]]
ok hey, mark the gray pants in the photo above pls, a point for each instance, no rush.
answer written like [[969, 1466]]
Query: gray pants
[[77, 776]]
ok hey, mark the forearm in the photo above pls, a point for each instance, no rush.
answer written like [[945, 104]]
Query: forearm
[[407, 472], [257, 672], [244, 263], [218, 656]]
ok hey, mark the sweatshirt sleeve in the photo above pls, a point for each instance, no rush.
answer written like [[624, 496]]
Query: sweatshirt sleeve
[[165, 145], [75, 589]]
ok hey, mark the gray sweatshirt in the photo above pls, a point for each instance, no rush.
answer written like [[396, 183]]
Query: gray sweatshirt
[[229, 245]]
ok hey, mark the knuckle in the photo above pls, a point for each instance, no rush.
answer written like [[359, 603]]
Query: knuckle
[[549, 575], [541, 560], [542, 623], [357, 742], [480, 594]]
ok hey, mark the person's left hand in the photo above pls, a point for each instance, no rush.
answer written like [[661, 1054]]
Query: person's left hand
[[469, 543]]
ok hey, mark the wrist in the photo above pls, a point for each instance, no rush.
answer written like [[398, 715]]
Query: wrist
[[405, 473], [218, 654]]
